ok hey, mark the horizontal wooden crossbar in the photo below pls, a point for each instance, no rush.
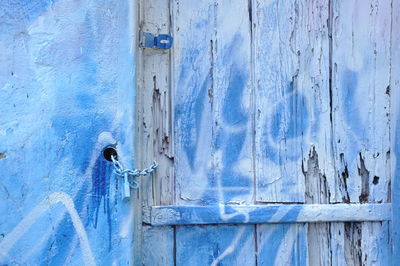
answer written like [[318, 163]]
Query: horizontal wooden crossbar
[[259, 214]]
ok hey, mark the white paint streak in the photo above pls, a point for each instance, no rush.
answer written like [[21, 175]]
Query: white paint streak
[[230, 248], [126, 224], [57, 197]]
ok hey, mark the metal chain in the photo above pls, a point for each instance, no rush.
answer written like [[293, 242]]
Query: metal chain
[[119, 170]]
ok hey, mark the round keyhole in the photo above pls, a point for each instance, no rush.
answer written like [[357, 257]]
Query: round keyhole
[[108, 152]]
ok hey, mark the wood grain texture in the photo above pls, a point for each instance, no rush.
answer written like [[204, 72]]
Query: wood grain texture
[[155, 134], [326, 245], [213, 130], [215, 245], [213, 99], [232, 104], [192, 75], [360, 99], [282, 245], [360, 71], [290, 213], [158, 246], [154, 107], [274, 102], [292, 103]]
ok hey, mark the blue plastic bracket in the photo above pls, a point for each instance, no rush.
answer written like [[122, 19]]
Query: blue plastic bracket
[[161, 41]]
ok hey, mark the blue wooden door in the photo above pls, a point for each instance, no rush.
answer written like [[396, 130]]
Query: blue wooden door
[[271, 122], [67, 83]]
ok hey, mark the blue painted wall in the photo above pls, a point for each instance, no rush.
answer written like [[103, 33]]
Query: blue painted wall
[[66, 91]]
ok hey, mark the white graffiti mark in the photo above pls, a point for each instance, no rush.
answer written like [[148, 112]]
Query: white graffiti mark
[[53, 199], [227, 217], [230, 248], [103, 139]]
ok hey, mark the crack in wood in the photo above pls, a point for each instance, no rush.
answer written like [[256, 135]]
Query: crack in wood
[[364, 174]]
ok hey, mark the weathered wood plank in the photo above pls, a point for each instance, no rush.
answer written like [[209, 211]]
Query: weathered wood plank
[[292, 101], [215, 245], [360, 99], [154, 135], [154, 141], [375, 244], [158, 246], [325, 240], [349, 243], [291, 66], [280, 213], [214, 134], [213, 99], [282, 245], [233, 178], [360, 120], [193, 33]]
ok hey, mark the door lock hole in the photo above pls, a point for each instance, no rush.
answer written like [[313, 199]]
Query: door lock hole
[[108, 152]]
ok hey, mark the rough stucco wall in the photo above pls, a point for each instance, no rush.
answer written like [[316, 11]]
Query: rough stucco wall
[[66, 91]]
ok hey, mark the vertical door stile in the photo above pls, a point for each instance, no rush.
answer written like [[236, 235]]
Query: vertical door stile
[[361, 107], [155, 131], [193, 125], [218, 147], [292, 122], [193, 68]]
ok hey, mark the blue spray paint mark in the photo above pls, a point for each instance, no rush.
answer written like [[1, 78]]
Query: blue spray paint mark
[[233, 183], [232, 109], [65, 232], [76, 124], [349, 87], [211, 242], [297, 122], [190, 114], [352, 116], [299, 250], [290, 120], [233, 115], [101, 175], [269, 250], [65, 79], [18, 14]]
